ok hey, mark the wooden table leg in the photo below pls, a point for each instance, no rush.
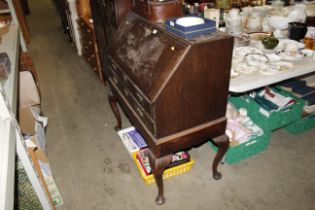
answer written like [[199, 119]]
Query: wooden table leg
[[158, 166], [113, 100], [223, 143]]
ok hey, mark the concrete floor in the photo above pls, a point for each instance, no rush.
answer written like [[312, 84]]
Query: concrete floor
[[93, 170]]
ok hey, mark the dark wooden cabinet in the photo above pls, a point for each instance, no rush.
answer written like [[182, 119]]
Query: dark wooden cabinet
[[65, 17], [89, 46], [107, 16], [173, 90]]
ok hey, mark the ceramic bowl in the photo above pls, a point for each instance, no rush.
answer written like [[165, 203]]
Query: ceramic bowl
[[190, 21], [279, 22], [242, 40]]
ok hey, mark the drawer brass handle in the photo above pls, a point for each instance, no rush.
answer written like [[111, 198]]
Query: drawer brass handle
[[115, 80], [140, 112], [139, 97], [126, 92]]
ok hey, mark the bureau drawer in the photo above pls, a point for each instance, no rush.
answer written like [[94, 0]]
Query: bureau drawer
[[148, 121], [140, 98], [115, 68], [137, 108], [137, 95]]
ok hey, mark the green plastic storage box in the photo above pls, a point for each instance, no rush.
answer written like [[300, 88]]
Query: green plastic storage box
[[304, 124], [245, 150], [270, 120]]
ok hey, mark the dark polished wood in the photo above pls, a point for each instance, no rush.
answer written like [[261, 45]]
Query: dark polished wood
[[65, 16], [158, 166], [157, 11], [173, 90], [107, 16], [89, 46], [223, 143], [113, 100]]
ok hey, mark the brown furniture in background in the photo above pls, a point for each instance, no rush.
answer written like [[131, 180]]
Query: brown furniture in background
[[65, 17], [20, 16], [87, 37], [89, 46], [107, 16], [157, 11], [173, 90]]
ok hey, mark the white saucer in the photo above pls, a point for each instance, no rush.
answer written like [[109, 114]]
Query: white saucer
[[284, 56], [275, 68], [255, 59], [290, 41], [273, 57], [244, 68]]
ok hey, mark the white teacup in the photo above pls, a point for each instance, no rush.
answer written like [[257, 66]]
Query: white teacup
[[291, 50], [254, 22], [234, 13]]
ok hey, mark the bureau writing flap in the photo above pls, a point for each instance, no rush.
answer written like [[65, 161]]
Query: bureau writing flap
[[146, 53]]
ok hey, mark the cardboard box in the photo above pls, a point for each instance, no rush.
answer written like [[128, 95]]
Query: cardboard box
[[27, 120], [30, 118], [28, 92]]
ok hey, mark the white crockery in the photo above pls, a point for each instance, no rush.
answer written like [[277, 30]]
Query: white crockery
[[279, 23], [190, 21]]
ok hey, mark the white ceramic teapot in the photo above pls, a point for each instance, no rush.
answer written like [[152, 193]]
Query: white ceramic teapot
[[297, 14]]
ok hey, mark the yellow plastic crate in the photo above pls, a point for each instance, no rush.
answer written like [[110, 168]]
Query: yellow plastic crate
[[168, 173]]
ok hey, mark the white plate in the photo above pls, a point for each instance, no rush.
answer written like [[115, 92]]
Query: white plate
[[190, 21], [275, 68], [273, 57], [290, 41], [240, 52], [244, 68], [283, 66], [255, 59], [291, 58], [307, 52], [234, 74]]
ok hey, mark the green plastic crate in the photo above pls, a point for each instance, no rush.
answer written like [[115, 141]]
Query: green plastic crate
[[245, 150], [270, 120], [304, 124]]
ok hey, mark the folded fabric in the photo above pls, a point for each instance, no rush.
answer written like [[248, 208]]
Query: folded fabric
[[240, 128], [292, 84], [303, 91], [265, 104], [309, 99], [277, 98]]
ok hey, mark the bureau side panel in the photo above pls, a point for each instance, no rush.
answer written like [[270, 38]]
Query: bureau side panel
[[197, 92]]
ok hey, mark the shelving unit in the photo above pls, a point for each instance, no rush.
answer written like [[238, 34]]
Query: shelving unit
[[11, 139]]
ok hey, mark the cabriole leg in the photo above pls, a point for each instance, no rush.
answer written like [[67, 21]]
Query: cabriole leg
[[158, 166], [223, 143], [113, 100]]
